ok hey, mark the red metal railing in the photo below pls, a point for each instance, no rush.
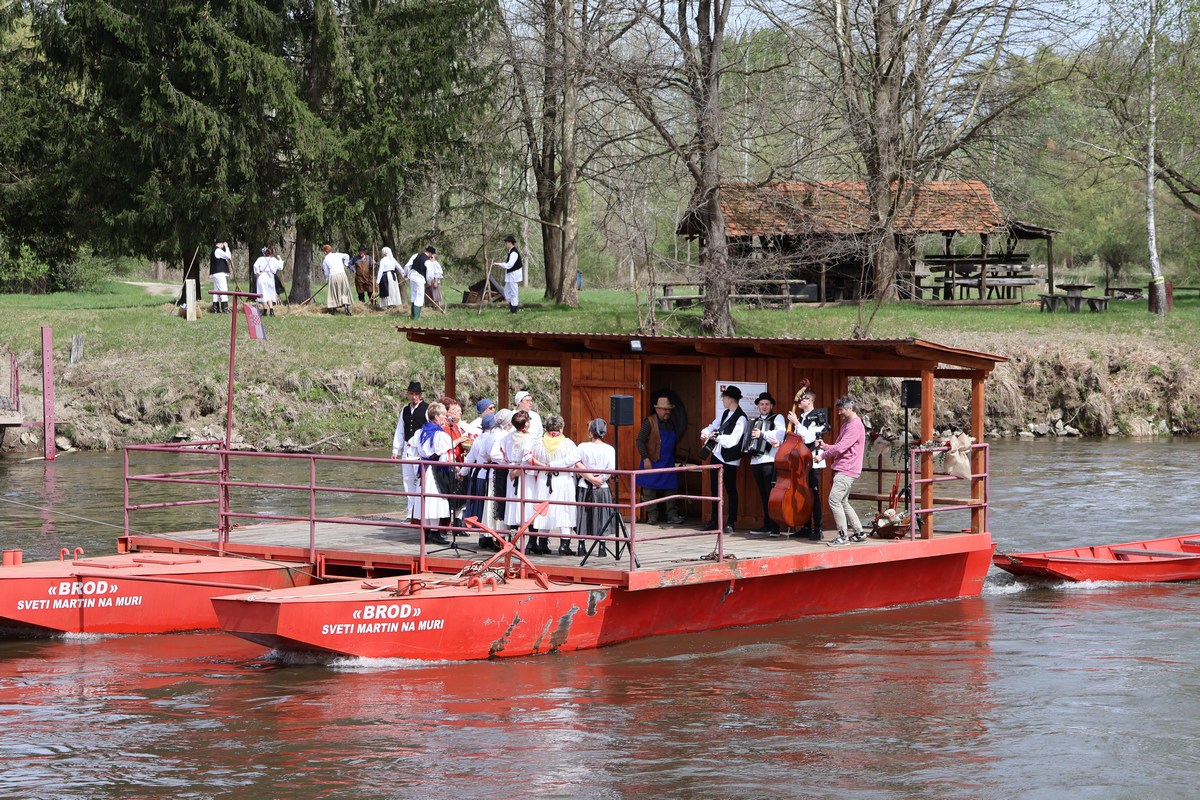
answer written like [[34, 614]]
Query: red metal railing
[[220, 478], [911, 503]]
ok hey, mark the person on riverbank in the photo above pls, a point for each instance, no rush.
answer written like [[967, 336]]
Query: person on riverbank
[[656, 441], [264, 281], [338, 293], [387, 278], [845, 458], [513, 274], [364, 274], [414, 270], [219, 268]]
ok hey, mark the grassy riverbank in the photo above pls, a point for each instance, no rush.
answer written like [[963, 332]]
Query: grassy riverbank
[[335, 380]]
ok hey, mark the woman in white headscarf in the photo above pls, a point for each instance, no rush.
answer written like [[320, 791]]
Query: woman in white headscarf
[[388, 279], [264, 281]]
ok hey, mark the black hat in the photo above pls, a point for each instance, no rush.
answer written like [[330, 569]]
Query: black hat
[[414, 386], [511, 239], [362, 248], [732, 391], [431, 249], [765, 396]]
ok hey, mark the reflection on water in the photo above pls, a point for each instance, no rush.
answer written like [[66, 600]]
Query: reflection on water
[[1030, 691]]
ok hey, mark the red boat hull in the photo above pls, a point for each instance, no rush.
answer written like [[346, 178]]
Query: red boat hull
[[369, 619], [1173, 558], [130, 593]]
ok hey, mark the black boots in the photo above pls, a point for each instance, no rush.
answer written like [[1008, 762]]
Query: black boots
[[581, 549], [512, 309], [564, 547]]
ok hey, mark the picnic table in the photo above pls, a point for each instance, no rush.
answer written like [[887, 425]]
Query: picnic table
[[671, 297], [1075, 296], [1002, 275]]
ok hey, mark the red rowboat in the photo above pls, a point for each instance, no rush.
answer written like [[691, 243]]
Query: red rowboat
[[1174, 558], [130, 593]]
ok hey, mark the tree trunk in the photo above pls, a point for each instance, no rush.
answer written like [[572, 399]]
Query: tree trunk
[[1160, 289], [566, 292], [301, 269]]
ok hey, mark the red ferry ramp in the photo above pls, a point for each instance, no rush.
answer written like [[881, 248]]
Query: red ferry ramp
[[131, 592]]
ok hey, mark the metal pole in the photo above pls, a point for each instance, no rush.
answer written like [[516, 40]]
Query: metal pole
[[48, 392], [312, 509]]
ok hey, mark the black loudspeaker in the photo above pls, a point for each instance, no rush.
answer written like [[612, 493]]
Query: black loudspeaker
[[910, 394], [620, 409]]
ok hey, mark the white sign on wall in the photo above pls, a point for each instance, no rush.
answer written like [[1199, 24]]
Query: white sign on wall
[[750, 392]]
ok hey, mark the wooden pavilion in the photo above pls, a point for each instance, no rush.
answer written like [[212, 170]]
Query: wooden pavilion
[[594, 367], [816, 228]]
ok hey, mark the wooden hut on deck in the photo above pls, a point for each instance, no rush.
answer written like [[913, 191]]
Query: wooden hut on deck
[[594, 367]]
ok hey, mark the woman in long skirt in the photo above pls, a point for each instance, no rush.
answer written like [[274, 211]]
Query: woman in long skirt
[[599, 455], [479, 479], [524, 488], [433, 446], [500, 477], [264, 281], [554, 452], [387, 276]]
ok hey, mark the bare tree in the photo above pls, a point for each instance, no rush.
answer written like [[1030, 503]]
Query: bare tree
[[669, 66], [911, 85]]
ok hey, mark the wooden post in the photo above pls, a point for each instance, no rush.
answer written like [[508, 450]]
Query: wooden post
[[502, 383], [926, 458], [451, 374], [1050, 264], [191, 290], [76, 348]]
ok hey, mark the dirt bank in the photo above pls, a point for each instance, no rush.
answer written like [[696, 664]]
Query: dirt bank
[[344, 392]]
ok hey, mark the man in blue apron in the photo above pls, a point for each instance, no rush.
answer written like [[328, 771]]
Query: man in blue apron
[[656, 444]]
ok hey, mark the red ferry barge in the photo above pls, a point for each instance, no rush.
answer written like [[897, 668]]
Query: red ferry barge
[[378, 590]]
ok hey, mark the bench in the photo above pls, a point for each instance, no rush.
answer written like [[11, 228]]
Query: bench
[[678, 301], [1137, 551], [1097, 304], [1051, 302]]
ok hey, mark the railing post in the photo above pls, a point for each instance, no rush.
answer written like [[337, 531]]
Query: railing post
[[312, 509], [125, 474], [222, 500], [632, 520]]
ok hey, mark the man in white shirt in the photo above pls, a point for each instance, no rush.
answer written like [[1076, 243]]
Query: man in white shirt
[[727, 429], [811, 424], [339, 294], [219, 268], [769, 428], [513, 274]]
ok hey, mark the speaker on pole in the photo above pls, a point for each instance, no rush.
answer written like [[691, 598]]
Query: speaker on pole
[[910, 394], [620, 409]]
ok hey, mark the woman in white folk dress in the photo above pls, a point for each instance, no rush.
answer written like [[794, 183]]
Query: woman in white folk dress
[[599, 455], [523, 492], [264, 282], [432, 445], [387, 277], [554, 452]]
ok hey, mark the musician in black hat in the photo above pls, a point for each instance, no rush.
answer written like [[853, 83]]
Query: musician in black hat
[[726, 432], [513, 273], [412, 417], [765, 435]]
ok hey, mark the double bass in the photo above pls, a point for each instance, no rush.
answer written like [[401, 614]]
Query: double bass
[[791, 500]]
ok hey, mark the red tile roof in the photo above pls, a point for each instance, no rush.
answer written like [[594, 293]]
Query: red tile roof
[[802, 208]]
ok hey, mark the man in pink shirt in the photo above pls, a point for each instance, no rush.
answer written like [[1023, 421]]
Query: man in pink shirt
[[845, 458]]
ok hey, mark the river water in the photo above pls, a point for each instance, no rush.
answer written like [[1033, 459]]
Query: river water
[[1086, 691]]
